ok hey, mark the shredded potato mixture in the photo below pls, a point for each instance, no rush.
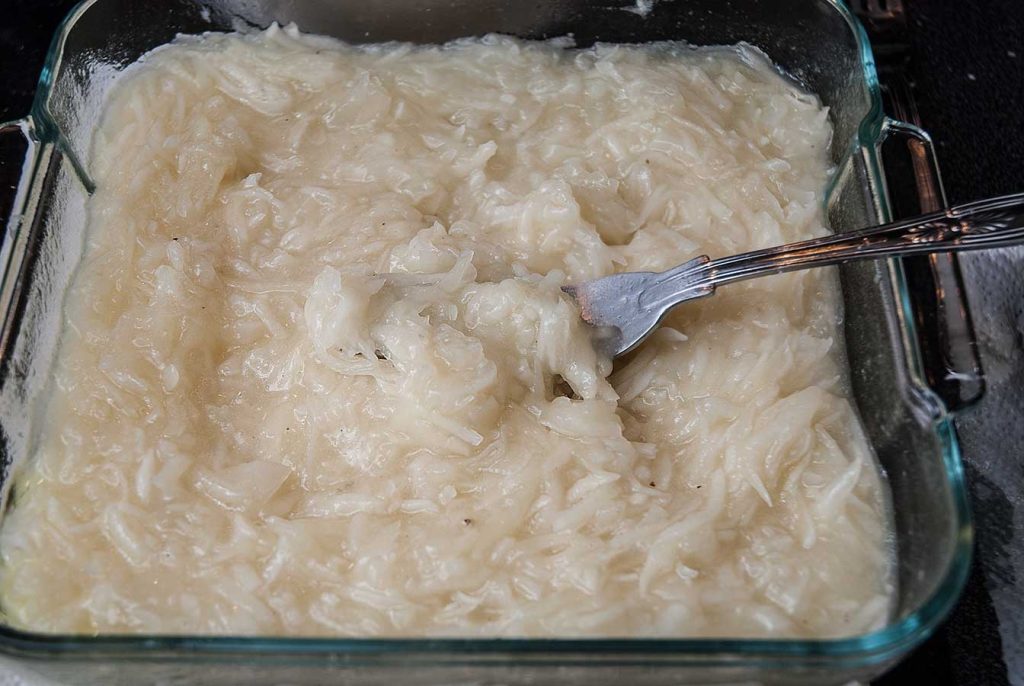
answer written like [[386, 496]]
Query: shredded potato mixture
[[318, 376]]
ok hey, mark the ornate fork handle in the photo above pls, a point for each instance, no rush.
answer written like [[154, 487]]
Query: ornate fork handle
[[991, 223]]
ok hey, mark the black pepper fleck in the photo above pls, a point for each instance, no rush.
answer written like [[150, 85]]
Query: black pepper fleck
[[467, 521], [653, 485]]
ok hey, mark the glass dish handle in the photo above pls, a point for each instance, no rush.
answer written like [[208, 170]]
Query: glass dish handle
[[20, 161], [941, 325], [18, 157]]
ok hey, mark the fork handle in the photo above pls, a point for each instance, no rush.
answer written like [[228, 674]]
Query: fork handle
[[991, 223]]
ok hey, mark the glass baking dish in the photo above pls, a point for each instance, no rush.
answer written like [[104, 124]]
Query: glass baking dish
[[818, 42]]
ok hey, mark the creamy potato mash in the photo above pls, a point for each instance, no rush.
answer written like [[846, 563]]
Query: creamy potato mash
[[318, 376]]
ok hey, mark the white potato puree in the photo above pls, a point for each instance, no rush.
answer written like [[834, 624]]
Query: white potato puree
[[251, 432]]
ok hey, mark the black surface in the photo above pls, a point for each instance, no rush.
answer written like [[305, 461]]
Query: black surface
[[967, 72], [967, 69]]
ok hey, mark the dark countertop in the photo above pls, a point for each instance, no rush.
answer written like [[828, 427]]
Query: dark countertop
[[967, 69]]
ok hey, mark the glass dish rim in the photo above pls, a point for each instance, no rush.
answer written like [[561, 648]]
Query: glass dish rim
[[856, 651]]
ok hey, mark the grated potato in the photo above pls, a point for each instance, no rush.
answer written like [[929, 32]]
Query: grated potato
[[252, 431]]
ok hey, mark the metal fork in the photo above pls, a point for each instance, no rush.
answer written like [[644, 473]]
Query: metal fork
[[626, 308]]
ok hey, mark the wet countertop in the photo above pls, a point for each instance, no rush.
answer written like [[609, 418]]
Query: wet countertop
[[967, 71]]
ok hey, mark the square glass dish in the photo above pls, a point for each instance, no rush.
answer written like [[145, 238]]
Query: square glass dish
[[818, 42]]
